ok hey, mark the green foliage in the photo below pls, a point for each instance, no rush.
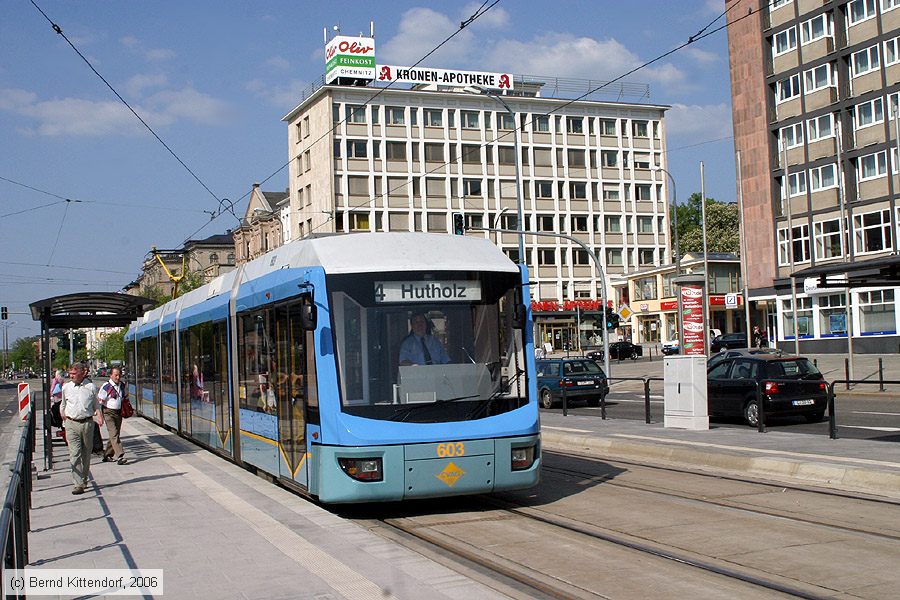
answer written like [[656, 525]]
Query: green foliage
[[62, 359], [113, 346], [23, 353], [722, 226], [191, 281]]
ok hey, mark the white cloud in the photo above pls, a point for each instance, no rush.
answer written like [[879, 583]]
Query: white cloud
[[136, 85], [420, 30], [278, 62], [82, 117], [149, 54], [158, 54], [284, 96], [700, 122], [715, 7], [703, 57], [495, 18]]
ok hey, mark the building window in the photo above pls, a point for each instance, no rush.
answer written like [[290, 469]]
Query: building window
[[395, 150], [641, 160], [578, 223], [800, 244], [892, 51], [610, 194], [645, 224], [784, 41], [872, 166], [861, 10], [645, 289], [356, 149], [865, 61], [816, 28], [789, 88], [359, 221], [778, 4], [608, 127], [792, 135], [505, 121], [868, 113], [797, 183], [543, 189], [577, 190], [546, 257], [506, 155], [357, 186], [643, 191], [580, 258], [574, 124], [470, 119], [639, 129], [471, 187], [541, 123], [876, 312], [817, 78], [609, 158], [887, 5], [471, 154], [477, 222], [820, 127], [546, 223], [434, 117], [395, 115], [828, 239], [434, 153], [356, 113], [213, 259], [614, 256], [832, 315], [613, 224], [822, 178], [804, 317], [576, 158], [645, 256], [872, 231]]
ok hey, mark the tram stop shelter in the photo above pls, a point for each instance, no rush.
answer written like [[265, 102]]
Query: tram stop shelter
[[76, 311]]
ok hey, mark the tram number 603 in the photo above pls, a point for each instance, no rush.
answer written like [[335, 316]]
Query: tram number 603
[[451, 449]]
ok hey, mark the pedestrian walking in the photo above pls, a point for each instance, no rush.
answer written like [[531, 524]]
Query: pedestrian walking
[[79, 409], [111, 396], [757, 336]]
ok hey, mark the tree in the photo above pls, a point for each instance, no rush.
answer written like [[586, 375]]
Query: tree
[[113, 346], [722, 226], [23, 354], [191, 281]]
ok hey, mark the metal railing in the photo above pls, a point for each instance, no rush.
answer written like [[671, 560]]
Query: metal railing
[[832, 420], [646, 381], [15, 518]]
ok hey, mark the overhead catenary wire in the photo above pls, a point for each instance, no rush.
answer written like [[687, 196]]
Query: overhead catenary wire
[[701, 34], [223, 203]]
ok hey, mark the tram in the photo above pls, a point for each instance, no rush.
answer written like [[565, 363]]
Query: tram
[[293, 364]]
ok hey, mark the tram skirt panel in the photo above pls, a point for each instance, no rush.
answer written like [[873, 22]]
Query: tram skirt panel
[[259, 441]]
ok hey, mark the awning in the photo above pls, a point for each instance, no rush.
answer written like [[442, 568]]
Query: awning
[[882, 271], [90, 309]]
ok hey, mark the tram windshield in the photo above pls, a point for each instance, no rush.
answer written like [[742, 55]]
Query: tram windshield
[[428, 347]]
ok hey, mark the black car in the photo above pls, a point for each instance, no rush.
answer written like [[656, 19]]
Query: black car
[[728, 340], [790, 385], [580, 377], [618, 351], [717, 358]]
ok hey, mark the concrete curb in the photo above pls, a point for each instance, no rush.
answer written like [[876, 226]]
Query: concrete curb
[[785, 470]]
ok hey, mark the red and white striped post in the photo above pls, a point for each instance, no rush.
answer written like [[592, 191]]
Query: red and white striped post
[[24, 400]]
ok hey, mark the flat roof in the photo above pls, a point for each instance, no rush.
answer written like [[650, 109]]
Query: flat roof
[[90, 309]]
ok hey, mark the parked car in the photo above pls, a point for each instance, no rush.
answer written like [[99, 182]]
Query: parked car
[[582, 378], [717, 358], [618, 351], [790, 385], [671, 347], [729, 340]]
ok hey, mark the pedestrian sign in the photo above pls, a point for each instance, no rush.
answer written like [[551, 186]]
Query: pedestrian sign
[[624, 312]]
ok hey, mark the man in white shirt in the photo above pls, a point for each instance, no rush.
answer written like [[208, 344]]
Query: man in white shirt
[[78, 408], [110, 396]]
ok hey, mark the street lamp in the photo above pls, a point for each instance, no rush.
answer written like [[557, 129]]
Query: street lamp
[[497, 220], [521, 214], [676, 250]]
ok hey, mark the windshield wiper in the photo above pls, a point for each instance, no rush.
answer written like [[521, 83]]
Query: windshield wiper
[[503, 389], [401, 415]]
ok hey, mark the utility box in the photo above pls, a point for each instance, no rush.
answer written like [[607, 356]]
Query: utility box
[[684, 392]]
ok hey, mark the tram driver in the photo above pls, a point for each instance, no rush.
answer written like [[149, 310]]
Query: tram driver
[[420, 347]]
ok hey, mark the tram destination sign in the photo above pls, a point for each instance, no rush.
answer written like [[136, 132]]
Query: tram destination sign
[[427, 291]]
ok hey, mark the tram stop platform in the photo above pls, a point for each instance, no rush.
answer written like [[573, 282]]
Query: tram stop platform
[[860, 466], [218, 531]]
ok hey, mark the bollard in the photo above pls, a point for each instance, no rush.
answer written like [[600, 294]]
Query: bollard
[[816, 363], [565, 401], [647, 400], [832, 421], [761, 420], [603, 404], [880, 375], [847, 372]]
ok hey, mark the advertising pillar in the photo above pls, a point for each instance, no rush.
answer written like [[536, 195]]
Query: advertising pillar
[[684, 388]]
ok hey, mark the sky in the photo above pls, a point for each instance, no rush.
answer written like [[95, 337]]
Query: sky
[[214, 78]]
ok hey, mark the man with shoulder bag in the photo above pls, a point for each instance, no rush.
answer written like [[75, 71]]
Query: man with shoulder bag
[[113, 396]]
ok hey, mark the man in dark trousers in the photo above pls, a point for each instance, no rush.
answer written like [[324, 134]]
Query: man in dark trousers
[[111, 395], [79, 408]]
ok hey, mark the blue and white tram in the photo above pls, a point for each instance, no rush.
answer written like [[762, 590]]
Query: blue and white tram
[[291, 364]]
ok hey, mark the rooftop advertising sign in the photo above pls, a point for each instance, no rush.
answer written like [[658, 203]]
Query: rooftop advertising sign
[[352, 57], [500, 81]]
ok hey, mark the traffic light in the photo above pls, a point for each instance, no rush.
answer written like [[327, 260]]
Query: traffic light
[[52, 354], [612, 319], [459, 224], [4, 315]]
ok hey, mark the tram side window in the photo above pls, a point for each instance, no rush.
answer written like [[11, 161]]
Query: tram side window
[[257, 356], [203, 364], [147, 363], [167, 366], [129, 362]]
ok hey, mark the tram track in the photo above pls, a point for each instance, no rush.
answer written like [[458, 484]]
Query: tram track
[[610, 480]]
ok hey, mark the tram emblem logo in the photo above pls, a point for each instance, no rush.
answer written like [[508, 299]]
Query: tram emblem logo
[[451, 474]]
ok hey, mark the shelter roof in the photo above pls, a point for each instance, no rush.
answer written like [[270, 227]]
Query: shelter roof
[[90, 309]]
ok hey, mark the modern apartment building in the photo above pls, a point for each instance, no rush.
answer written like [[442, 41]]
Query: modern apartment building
[[366, 158], [815, 91]]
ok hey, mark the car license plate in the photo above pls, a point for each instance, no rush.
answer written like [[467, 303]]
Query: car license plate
[[803, 402], [588, 382]]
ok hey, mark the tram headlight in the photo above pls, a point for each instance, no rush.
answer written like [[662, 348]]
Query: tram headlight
[[522, 458], [362, 469]]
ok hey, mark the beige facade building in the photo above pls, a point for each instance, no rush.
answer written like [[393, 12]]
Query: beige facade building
[[209, 257], [265, 226], [375, 159], [815, 92]]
